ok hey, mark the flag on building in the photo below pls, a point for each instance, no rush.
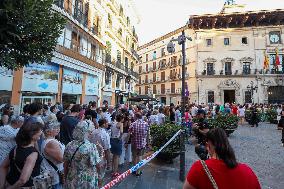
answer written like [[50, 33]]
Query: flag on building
[[277, 59], [266, 61]]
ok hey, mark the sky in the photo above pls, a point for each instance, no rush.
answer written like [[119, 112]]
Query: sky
[[159, 17]]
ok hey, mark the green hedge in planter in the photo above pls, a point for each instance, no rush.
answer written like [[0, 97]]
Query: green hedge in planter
[[224, 121], [161, 134], [271, 115]]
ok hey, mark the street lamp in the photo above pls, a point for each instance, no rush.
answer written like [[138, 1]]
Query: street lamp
[[251, 88], [171, 49]]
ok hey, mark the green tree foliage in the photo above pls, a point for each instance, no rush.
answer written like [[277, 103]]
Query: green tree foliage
[[28, 32]]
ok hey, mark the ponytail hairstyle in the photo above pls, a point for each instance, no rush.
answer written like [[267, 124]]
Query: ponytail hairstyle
[[222, 146]]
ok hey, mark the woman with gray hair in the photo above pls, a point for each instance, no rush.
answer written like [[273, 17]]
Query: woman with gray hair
[[81, 159], [52, 151], [7, 136]]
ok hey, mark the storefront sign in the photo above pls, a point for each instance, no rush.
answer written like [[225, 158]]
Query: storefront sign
[[7, 76], [72, 81], [92, 85], [41, 78]]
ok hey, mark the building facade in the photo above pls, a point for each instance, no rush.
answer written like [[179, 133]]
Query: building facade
[[77, 72], [225, 59], [120, 18]]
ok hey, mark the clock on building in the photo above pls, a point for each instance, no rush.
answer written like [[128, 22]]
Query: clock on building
[[274, 37]]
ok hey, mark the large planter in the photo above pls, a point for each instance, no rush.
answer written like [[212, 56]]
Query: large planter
[[160, 135], [167, 157]]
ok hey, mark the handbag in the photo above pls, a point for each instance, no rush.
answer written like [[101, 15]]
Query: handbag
[[60, 173], [205, 167], [42, 181]]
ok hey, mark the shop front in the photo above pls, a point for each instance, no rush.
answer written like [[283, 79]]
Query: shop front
[[71, 86], [40, 83], [91, 89]]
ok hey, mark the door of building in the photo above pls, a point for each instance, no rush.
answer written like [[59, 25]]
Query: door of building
[[37, 99], [275, 94], [229, 96]]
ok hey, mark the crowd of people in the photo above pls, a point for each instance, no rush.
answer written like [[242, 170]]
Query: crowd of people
[[78, 144]]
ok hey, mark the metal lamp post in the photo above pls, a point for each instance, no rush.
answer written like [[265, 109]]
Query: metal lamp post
[[171, 49], [251, 88]]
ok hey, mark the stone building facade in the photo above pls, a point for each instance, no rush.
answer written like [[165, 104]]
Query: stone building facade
[[225, 59]]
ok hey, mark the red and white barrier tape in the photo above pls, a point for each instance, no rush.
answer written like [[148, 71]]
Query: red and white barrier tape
[[138, 165]]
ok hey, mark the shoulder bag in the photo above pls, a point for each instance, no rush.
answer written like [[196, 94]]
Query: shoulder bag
[[42, 181], [205, 167]]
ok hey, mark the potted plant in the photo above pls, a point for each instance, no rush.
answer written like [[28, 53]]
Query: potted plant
[[161, 134], [271, 115]]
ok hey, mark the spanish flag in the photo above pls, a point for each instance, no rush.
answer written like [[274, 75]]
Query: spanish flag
[[277, 60], [266, 61]]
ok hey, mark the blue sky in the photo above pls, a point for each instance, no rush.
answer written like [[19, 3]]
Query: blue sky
[[159, 17]]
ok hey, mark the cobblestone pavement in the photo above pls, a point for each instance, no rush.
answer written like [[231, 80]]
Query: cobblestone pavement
[[258, 147]]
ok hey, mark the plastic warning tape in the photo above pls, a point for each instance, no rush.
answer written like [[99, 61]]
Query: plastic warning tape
[[138, 165]]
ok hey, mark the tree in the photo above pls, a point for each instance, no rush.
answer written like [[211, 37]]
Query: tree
[[28, 32]]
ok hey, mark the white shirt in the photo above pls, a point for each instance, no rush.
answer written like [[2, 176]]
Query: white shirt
[[153, 119], [161, 118], [101, 136], [241, 112], [194, 111], [7, 140], [115, 130]]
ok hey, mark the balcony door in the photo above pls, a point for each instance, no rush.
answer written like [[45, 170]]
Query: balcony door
[[228, 68]]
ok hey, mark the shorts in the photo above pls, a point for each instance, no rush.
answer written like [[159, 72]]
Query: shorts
[[116, 146], [137, 152]]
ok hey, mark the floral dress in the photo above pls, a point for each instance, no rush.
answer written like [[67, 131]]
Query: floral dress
[[82, 172]]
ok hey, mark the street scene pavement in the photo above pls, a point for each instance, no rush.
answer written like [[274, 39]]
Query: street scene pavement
[[258, 147]]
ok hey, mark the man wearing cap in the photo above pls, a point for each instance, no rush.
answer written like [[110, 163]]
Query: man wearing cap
[[7, 136]]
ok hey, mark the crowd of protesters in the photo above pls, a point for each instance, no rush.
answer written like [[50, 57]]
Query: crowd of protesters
[[80, 143]]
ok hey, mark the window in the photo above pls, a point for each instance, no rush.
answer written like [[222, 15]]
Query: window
[[154, 89], [140, 69], [245, 40], [93, 52], [154, 65], [209, 42], [210, 96], [248, 97], [108, 77], [163, 91], [154, 55], [75, 42], [146, 67], [154, 77], [210, 69], [118, 56], [146, 57], [146, 78], [163, 76], [146, 89], [226, 41], [246, 68], [163, 53], [228, 68], [139, 79], [173, 88], [118, 82], [140, 90]]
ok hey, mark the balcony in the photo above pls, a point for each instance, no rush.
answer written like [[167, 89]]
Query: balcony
[[163, 64], [246, 71], [74, 53], [228, 72], [113, 6]]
